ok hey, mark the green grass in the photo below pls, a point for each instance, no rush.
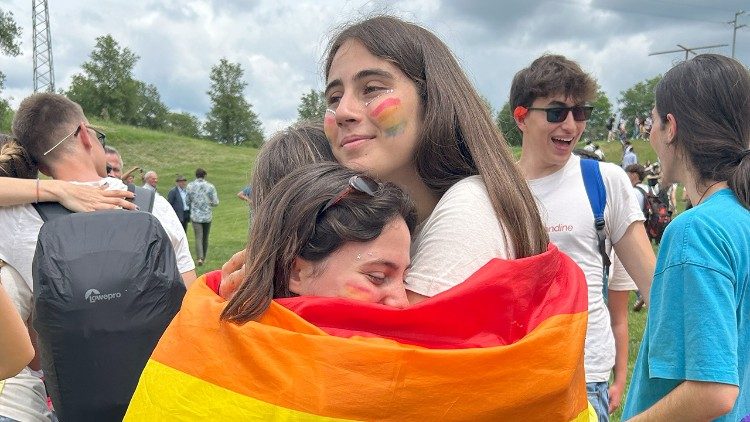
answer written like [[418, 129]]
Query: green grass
[[228, 168]]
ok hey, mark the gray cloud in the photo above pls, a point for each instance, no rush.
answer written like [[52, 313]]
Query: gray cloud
[[280, 43]]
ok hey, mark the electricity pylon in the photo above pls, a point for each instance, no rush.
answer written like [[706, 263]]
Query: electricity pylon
[[44, 71]]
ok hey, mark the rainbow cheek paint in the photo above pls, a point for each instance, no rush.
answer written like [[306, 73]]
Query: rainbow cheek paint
[[329, 124], [389, 116], [357, 292]]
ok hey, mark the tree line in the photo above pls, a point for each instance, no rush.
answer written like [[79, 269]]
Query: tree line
[[107, 88]]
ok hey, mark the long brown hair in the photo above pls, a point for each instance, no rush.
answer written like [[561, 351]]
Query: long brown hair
[[289, 223], [709, 97], [459, 137]]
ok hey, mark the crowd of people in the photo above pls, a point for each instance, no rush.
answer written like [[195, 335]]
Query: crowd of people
[[406, 206]]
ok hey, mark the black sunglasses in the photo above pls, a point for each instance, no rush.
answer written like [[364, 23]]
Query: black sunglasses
[[559, 114], [362, 184]]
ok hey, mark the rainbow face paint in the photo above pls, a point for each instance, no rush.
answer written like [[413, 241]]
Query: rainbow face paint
[[329, 123], [389, 116], [356, 292]]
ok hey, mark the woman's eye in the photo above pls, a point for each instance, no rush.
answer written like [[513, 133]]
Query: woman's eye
[[372, 88], [376, 278], [333, 99]]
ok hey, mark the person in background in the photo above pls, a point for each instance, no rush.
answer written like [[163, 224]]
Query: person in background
[[628, 155], [151, 179], [550, 101], [177, 197], [693, 362], [201, 198], [246, 194], [114, 160]]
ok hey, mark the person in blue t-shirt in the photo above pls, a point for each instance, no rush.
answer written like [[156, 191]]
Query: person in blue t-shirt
[[694, 361]]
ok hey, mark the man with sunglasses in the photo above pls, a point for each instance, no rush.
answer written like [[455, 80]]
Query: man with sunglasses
[[56, 134], [550, 100]]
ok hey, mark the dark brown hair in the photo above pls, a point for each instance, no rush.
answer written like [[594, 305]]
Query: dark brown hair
[[709, 97], [288, 224], [551, 75], [288, 149], [200, 173], [637, 169], [459, 137], [42, 120], [14, 160]]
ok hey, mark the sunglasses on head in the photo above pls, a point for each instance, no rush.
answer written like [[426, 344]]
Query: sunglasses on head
[[361, 184], [559, 114]]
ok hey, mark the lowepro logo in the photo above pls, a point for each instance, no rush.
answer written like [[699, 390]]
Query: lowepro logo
[[93, 295]]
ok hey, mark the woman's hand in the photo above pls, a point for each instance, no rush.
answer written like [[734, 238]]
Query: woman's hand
[[232, 275], [81, 198]]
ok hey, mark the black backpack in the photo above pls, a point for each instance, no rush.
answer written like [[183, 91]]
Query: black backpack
[[656, 211], [106, 285]]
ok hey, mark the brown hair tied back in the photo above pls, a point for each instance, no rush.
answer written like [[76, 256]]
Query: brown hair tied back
[[15, 160], [709, 97]]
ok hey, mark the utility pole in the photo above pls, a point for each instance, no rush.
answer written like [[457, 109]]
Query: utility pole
[[736, 27], [44, 71], [687, 50]]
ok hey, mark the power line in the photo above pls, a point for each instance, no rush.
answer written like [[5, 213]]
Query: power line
[[735, 28], [687, 50]]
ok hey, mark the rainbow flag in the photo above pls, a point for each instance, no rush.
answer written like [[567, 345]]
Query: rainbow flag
[[507, 344]]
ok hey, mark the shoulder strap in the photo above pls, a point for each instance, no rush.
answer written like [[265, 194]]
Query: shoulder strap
[[144, 198], [597, 194], [51, 210]]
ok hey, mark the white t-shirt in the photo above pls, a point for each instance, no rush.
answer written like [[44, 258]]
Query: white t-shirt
[[566, 212], [461, 235], [20, 224]]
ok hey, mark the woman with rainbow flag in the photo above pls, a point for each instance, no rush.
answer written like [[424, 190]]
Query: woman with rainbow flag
[[502, 336]]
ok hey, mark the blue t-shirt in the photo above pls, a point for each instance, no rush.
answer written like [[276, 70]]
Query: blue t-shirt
[[699, 318]]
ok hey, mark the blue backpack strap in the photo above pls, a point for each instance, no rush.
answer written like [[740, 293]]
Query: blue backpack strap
[[597, 194]]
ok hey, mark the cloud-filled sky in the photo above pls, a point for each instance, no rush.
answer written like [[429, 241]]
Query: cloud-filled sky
[[280, 43]]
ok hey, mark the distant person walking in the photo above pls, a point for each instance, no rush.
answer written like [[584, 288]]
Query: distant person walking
[[201, 197], [611, 128], [177, 197], [628, 155]]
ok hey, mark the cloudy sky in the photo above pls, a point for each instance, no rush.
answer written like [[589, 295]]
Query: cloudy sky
[[280, 43]]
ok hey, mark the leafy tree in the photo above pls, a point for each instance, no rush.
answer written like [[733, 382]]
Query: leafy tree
[[10, 34], [231, 119], [507, 125], [312, 106], [106, 87], [638, 100], [150, 112], [597, 125], [184, 124]]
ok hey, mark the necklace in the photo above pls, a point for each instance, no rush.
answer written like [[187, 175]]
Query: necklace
[[708, 189]]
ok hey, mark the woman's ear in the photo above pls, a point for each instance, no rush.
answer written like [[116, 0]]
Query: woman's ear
[[299, 275], [671, 128]]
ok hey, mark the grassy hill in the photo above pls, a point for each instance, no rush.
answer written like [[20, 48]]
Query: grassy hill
[[228, 168]]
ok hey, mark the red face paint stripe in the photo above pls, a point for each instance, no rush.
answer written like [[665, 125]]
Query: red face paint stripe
[[390, 102]]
